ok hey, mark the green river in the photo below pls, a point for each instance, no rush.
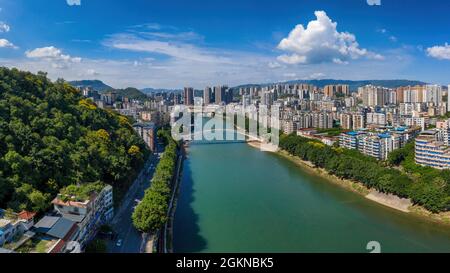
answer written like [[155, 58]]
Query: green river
[[235, 198]]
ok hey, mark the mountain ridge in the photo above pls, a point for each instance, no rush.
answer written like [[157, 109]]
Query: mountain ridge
[[97, 85], [100, 86]]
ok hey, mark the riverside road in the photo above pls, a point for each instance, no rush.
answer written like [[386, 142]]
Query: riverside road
[[131, 239]]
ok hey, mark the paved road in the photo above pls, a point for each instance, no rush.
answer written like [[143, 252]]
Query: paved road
[[122, 223]]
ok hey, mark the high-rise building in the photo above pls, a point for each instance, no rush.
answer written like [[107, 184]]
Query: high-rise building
[[343, 89], [376, 118], [329, 90], [219, 93], [188, 96], [374, 95], [207, 95], [359, 121], [420, 94], [267, 98], [346, 121], [400, 94], [322, 120], [448, 98]]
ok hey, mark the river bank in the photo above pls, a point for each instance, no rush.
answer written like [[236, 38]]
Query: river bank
[[388, 200]]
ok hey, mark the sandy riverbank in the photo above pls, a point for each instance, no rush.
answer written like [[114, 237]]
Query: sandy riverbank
[[389, 200], [255, 144]]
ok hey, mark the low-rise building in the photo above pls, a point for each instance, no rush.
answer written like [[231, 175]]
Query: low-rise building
[[14, 225], [431, 150], [89, 206], [54, 233], [374, 144]]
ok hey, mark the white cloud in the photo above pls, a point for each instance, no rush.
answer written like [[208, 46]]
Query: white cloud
[[181, 36], [7, 44], [73, 2], [53, 55], [274, 65], [320, 42], [374, 2], [173, 48], [176, 62], [290, 75], [440, 52], [244, 67], [92, 72], [4, 27]]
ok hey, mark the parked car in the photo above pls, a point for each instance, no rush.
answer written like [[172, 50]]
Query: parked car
[[119, 243]]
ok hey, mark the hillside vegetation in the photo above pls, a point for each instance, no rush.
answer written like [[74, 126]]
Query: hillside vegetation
[[94, 84], [50, 137], [131, 93]]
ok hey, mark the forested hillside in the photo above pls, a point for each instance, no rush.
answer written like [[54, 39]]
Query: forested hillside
[[94, 84], [51, 137], [131, 93]]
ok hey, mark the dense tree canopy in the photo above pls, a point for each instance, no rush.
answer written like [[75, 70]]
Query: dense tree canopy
[[51, 137], [428, 187]]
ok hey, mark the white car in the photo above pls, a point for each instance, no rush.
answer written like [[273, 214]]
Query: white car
[[119, 243]]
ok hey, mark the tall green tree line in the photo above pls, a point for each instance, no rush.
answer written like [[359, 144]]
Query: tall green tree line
[[151, 213], [431, 192]]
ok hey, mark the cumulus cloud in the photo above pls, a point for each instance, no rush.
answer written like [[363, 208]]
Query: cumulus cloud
[[73, 2], [4, 27], [440, 52], [7, 44], [53, 55], [320, 42]]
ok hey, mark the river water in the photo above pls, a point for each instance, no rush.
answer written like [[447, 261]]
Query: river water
[[235, 198]]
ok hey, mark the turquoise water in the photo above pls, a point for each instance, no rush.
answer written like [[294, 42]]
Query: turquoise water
[[235, 198]]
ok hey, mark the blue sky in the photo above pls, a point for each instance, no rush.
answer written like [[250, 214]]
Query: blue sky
[[171, 44]]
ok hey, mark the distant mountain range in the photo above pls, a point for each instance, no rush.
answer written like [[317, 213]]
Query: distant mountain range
[[354, 85], [94, 84], [101, 87], [135, 93]]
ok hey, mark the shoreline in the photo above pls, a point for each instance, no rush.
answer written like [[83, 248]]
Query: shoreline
[[387, 200]]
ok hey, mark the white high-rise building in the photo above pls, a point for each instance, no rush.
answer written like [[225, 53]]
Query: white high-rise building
[[448, 98]]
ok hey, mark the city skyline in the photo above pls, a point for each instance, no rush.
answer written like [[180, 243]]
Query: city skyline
[[151, 45]]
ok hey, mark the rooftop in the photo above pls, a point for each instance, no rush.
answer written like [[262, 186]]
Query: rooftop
[[56, 227], [46, 222], [78, 195], [61, 228], [4, 223], [26, 215], [145, 125]]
